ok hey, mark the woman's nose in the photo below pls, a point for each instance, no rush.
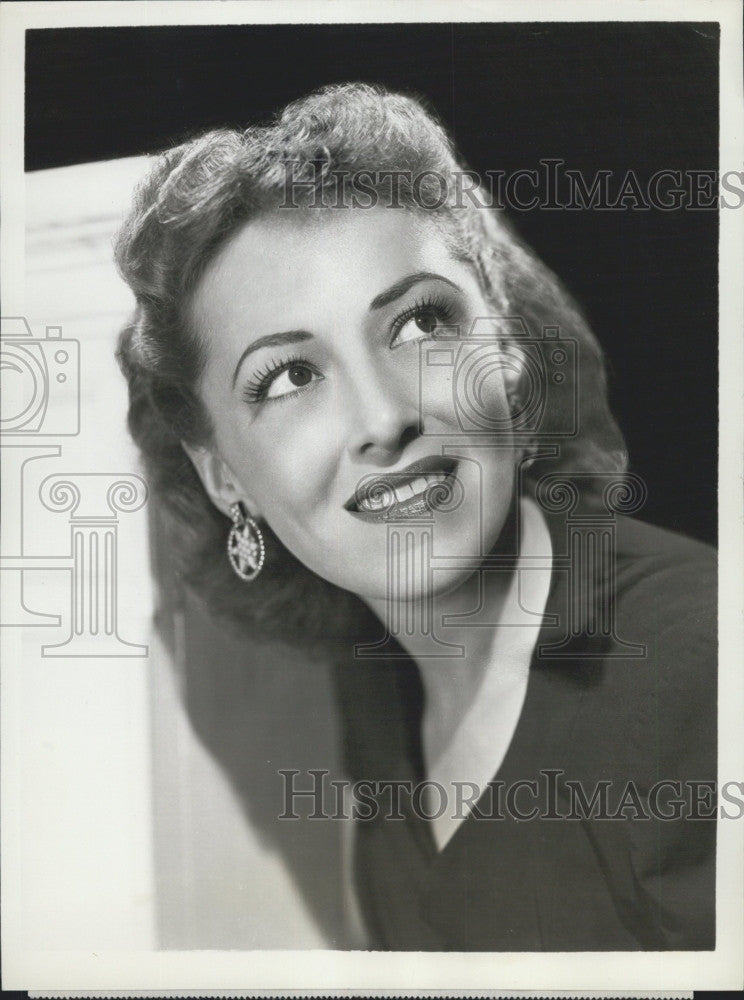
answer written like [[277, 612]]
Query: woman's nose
[[385, 418]]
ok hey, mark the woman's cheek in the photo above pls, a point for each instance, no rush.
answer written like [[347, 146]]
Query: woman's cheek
[[436, 401], [462, 386], [301, 454]]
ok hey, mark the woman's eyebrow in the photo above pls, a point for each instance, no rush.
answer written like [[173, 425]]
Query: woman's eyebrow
[[401, 287], [383, 299], [271, 340]]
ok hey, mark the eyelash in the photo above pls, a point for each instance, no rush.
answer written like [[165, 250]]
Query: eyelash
[[256, 389], [436, 304]]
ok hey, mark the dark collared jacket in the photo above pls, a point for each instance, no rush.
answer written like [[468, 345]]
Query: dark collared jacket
[[621, 705]]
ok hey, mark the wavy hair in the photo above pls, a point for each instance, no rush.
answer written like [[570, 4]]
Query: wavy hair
[[200, 193]]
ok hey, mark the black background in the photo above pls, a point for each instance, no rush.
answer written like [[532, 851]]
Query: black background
[[609, 96]]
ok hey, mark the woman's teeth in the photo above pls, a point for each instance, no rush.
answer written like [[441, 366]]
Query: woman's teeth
[[386, 497]]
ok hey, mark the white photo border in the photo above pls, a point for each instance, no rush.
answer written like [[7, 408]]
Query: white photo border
[[369, 973]]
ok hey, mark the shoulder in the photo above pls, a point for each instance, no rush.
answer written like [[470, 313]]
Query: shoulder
[[648, 722], [665, 600], [649, 696], [636, 596], [659, 572]]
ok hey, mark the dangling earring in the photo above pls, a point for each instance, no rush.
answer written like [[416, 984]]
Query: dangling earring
[[245, 544]]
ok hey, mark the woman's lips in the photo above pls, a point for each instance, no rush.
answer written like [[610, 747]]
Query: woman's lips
[[400, 493], [412, 491]]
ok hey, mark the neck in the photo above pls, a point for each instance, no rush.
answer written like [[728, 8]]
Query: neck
[[452, 679]]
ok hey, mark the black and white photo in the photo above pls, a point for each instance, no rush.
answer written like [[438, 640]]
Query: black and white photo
[[371, 560]]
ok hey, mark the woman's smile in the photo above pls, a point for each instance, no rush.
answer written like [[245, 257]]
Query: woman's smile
[[378, 402], [417, 490], [328, 419]]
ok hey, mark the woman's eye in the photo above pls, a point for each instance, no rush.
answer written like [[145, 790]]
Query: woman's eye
[[292, 378], [424, 322]]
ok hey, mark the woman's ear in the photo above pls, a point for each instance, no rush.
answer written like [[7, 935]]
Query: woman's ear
[[218, 480], [513, 363]]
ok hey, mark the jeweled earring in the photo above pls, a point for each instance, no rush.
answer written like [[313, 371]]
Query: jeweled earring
[[245, 544]]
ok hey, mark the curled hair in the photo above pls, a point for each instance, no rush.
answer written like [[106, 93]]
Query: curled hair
[[199, 194]]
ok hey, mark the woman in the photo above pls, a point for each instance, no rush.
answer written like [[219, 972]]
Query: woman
[[346, 366]]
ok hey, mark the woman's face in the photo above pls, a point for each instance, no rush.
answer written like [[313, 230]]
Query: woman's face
[[319, 385]]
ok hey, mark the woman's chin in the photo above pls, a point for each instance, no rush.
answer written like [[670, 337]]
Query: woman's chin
[[406, 562], [413, 600]]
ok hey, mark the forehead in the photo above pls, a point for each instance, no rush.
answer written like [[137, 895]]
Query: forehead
[[280, 266]]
